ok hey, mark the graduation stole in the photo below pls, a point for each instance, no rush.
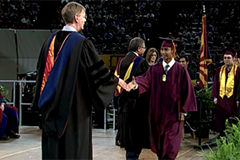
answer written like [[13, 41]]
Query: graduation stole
[[50, 61], [129, 72], [226, 88]]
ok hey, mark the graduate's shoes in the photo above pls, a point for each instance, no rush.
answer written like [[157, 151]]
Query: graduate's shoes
[[118, 143], [15, 135]]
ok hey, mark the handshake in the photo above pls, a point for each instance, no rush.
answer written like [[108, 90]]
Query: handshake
[[128, 87]]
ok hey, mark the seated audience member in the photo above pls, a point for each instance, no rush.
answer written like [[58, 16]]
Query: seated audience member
[[8, 121]]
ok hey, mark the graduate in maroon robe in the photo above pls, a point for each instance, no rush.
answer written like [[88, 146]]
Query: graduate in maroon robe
[[171, 92], [71, 79], [224, 91]]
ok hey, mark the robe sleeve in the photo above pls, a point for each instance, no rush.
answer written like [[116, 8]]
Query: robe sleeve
[[236, 83], [215, 87], [101, 81], [144, 81], [188, 98]]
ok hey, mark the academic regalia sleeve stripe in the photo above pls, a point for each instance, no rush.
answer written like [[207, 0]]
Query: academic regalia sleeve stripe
[[100, 74], [96, 66], [93, 72], [102, 81]]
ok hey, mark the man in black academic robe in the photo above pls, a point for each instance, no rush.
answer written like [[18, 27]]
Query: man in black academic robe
[[71, 79], [134, 122]]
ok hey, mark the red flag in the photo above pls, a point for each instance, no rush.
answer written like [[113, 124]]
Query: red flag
[[205, 57]]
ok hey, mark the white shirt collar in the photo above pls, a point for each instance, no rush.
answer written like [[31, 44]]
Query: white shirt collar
[[69, 28], [171, 63], [136, 53]]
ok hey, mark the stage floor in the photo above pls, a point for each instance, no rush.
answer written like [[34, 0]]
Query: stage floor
[[28, 146]]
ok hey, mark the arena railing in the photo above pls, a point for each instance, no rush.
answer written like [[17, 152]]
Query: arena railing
[[13, 102], [20, 95]]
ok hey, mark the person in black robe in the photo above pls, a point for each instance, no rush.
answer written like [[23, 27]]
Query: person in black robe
[[171, 96], [71, 79], [133, 124]]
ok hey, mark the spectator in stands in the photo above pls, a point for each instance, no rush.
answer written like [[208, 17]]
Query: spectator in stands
[[236, 59], [228, 38], [210, 76]]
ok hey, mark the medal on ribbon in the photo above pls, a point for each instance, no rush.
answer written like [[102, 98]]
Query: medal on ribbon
[[164, 77]]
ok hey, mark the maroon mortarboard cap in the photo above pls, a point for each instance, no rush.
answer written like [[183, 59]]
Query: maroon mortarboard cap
[[168, 42], [229, 51]]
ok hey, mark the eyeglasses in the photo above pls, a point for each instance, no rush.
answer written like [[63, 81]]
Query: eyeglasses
[[144, 47], [82, 16]]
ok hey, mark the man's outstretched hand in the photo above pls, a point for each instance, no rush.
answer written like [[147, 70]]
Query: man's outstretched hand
[[128, 87], [131, 85], [122, 83]]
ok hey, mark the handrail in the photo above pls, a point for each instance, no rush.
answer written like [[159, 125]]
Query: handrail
[[21, 103], [20, 95]]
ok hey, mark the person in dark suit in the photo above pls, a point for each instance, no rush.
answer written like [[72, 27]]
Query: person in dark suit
[[133, 121], [184, 60]]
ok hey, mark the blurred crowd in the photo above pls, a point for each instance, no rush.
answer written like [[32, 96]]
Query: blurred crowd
[[112, 24]]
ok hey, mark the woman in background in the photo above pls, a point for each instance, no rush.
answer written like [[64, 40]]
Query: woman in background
[[152, 56]]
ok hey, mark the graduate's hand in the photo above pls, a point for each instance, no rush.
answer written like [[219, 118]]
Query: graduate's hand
[[215, 100], [122, 83], [2, 106], [131, 85], [182, 117]]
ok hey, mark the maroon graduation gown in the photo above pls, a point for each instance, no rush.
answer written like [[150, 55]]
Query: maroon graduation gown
[[225, 107], [167, 99]]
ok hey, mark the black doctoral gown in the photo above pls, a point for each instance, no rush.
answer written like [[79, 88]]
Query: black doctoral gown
[[134, 121], [75, 84]]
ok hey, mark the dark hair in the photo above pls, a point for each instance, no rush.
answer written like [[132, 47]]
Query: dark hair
[[184, 56]]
